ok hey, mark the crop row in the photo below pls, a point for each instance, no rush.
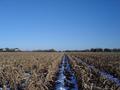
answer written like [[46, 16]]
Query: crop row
[[107, 62], [89, 76], [28, 71]]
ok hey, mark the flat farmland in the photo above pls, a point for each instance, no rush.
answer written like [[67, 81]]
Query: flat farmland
[[96, 71], [59, 71], [28, 71]]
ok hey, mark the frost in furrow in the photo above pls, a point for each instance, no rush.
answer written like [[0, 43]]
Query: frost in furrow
[[110, 77], [104, 74], [5, 87], [66, 79]]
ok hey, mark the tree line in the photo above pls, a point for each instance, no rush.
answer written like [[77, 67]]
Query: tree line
[[53, 50], [96, 50], [10, 50], [49, 50], [18, 50]]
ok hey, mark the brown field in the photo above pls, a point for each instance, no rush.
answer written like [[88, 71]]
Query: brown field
[[38, 71], [88, 68], [29, 71]]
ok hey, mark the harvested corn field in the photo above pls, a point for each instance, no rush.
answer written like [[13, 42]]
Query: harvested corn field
[[96, 71], [59, 71], [28, 71]]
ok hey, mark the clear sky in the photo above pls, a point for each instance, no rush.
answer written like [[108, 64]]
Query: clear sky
[[59, 24]]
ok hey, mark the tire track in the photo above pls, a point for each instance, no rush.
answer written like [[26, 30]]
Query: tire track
[[66, 79]]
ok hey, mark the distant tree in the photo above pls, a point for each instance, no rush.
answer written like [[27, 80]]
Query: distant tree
[[10, 50], [87, 50], [51, 50], [107, 50], [6, 49], [96, 50], [116, 50], [1, 50], [119, 50], [92, 50]]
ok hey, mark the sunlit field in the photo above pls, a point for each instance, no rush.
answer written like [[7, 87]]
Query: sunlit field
[[53, 71], [97, 71], [28, 71]]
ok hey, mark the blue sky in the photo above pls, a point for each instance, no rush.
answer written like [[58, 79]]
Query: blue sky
[[60, 24]]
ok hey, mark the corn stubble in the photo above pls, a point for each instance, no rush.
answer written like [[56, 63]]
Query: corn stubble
[[28, 71], [89, 68], [38, 71]]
